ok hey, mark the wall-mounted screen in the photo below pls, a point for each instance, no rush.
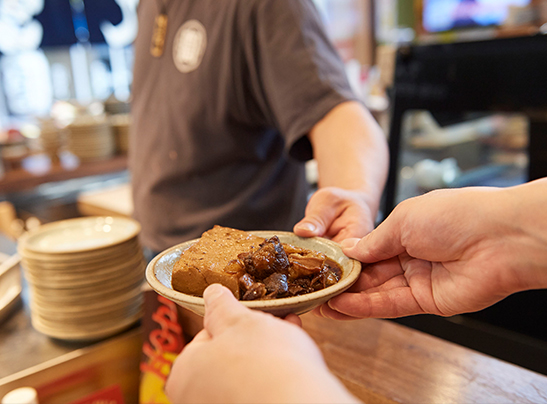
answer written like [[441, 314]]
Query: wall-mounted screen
[[446, 15]]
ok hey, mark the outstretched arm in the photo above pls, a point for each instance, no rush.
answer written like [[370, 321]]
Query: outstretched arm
[[449, 252], [352, 158]]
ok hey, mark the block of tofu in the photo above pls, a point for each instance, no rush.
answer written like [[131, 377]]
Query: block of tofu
[[204, 263]]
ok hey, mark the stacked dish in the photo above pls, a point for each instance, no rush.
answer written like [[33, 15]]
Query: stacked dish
[[84, 275], [52, 138], [120, 124], [90, 138]]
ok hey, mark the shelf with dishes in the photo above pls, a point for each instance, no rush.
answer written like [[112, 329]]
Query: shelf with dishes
[[73, 141]]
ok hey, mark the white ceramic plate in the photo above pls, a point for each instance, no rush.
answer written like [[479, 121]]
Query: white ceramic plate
[[159, 270], [76, 308], [84, 296], [119, 252], [85, 333], [76, 285], [79, 235], [82, 270]]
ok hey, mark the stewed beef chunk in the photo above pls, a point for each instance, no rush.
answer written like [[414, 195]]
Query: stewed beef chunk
[[300, 286], [268, 259], [245, 283], [276, 285], [256, 291]]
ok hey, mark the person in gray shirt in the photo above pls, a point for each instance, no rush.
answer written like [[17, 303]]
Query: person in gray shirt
[[230, 98]]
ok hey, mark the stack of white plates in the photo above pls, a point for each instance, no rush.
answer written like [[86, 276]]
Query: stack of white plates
[[53, 139], [120, 124], [84, 276], [90, 138]]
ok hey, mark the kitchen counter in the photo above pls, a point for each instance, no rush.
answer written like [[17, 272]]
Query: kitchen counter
[[22, 347], [65, 371], [378, 360], [384, 362]]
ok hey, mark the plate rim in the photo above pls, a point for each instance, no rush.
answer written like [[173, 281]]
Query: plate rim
[[272, 304], [24, 240]]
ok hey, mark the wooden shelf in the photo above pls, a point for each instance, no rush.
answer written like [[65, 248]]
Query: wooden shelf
[[22, 180]]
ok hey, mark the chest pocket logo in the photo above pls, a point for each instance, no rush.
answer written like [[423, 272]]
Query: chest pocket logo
[[189, 46]]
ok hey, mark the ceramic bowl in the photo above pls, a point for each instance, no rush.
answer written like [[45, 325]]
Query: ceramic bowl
[[159, 270]]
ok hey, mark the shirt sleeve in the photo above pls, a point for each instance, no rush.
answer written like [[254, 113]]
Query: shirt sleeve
[[301, 74]]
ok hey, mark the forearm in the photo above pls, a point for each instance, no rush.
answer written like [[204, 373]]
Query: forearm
[[504, 229], [351, 151]]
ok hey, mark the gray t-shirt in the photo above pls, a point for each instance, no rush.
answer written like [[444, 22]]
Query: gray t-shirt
[[220, 119]]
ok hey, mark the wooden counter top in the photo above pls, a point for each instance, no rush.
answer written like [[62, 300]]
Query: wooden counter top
[[384, 362], [21, 180], [378, 360]]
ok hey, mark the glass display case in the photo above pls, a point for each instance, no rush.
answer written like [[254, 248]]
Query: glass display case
[[468, 113], [480, 150]]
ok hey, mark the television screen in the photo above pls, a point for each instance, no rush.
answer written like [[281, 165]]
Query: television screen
[[446, 15]]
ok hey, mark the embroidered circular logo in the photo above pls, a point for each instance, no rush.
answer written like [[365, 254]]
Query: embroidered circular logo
[[189, 46]]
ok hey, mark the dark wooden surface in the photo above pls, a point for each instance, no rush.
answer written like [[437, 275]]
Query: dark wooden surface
[[21, 180], [378, 360], [381, 361], [77, 374]]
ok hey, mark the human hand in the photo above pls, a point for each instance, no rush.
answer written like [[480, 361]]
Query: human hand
[[448, 252], [337, 214], [246, 356]]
